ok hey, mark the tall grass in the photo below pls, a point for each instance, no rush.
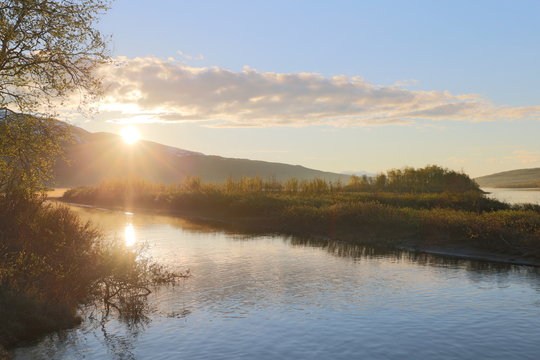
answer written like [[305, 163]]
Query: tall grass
[[317, 208], [122, 192]]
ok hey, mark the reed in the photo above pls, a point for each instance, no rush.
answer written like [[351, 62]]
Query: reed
[[462, 220]]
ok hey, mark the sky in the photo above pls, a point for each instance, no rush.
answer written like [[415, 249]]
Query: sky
[[331, 85]]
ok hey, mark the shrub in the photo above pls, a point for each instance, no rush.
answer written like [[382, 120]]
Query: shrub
[[52, 263]]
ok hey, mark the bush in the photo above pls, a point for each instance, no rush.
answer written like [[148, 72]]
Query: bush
[[52, 263]]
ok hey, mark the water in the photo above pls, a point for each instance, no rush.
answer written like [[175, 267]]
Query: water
[[515, 196], [272, 297]]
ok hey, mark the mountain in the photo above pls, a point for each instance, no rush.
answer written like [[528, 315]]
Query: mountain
[[513, 178], [97, 156]]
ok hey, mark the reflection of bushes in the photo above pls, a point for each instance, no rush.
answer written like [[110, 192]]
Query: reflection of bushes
[[52, 262], [466, 219]]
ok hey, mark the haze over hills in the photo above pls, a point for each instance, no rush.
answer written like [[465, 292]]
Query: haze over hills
[[512, 178], [98, 156]]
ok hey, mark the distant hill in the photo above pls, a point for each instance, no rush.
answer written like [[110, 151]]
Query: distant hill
[[513, 178], [98, 156]]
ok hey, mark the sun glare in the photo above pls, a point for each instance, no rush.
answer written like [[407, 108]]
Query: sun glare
[[129, 235], [130, 135]]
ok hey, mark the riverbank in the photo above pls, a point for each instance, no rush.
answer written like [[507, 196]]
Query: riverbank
[[53, 264], [244, 226], [246, 289], [466, 224]]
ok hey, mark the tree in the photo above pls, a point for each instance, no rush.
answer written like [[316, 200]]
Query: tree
[[48, 50], [51, 261], [29, 146]]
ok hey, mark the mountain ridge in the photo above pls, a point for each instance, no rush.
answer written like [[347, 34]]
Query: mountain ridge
[[94, 157], [510, 178]]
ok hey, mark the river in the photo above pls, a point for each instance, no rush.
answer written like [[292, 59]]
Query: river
[[515, 196], [276, 297]]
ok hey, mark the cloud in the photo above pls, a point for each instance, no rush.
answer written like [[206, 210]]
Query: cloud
[[166, 90], [190, 57], [524, 156], [457, 160]]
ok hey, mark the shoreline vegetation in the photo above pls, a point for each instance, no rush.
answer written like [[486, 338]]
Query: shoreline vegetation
[[429, 209], [54, 265]]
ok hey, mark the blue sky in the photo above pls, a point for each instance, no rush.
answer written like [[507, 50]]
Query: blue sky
[[476, 62]]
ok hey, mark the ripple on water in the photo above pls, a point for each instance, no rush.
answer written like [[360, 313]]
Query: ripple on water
[[273, 297]]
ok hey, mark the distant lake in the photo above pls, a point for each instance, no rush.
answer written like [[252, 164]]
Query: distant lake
[[276, 297], [515, 196]]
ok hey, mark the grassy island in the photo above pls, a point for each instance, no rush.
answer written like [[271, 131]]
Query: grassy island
[[426, 209]]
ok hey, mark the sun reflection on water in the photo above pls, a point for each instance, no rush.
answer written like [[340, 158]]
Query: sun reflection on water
[[129, 235]]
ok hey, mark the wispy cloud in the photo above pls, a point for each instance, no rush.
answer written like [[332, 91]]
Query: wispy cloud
[[190, 57], [271, 151], [457, 160], [526, 157], [166, 90]]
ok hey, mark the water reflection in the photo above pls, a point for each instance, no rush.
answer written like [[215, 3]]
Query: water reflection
[[110, 221], [161, 231], [162, 228], [359, 252], [129, 235], [498, 274], [514, 196], [121, 342], [270, 297]]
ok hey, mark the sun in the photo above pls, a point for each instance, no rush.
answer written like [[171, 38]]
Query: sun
[[130, 135]]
